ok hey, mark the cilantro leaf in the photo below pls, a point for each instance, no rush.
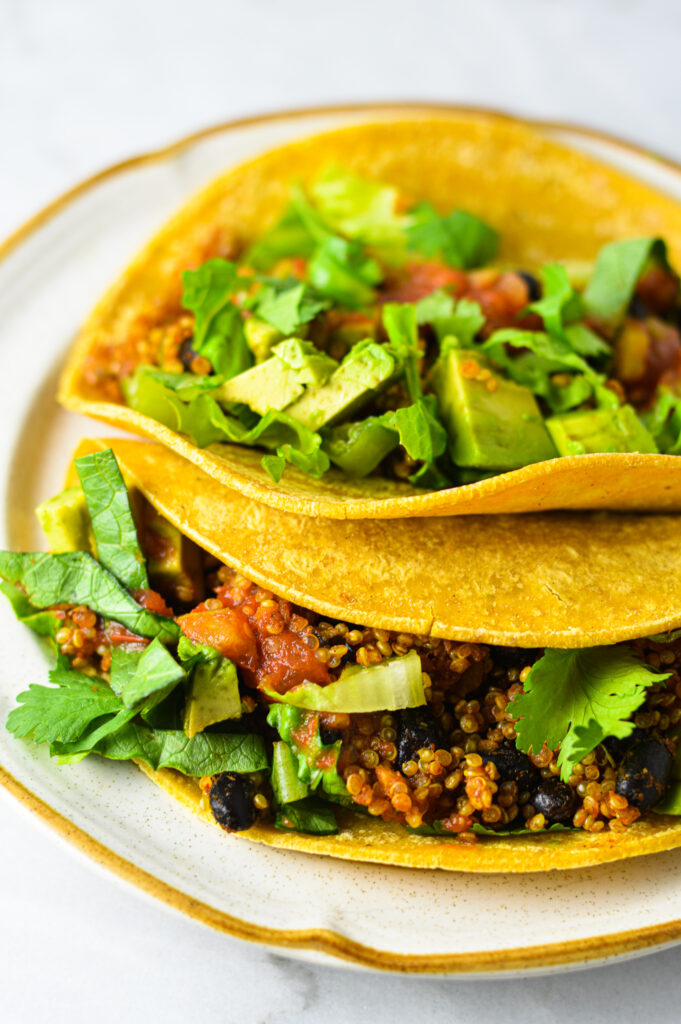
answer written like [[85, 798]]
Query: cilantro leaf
[[218, 334], [203, 754], [288, 308], [420, 430], [312, 816], [74, 577], [399, 320], [113, 526], [460, 239], [618, 268], [576, 698], [64, 710], [339, 270], [288, 237]]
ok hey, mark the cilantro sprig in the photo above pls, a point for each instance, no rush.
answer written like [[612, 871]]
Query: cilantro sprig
[[575, 699]]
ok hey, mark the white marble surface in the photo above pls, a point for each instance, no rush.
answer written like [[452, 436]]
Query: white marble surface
[[85, 84]]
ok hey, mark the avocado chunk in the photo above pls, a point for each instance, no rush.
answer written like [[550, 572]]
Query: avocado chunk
[[260, 337], [366, 369], [174, 562], [600, 430], [492, 423], [281, 379], [66, 522], [357, 448], [213, 695]]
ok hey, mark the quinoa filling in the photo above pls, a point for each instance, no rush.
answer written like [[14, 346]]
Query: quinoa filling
[[451, 765]]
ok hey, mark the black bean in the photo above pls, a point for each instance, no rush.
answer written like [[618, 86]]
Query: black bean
[[231, 801], [617, 748], [638, 309], [186, 353], [555, 800], [513, 766], [644, 773], [533, 287], [514, 657], [418, 727], [328, 736]]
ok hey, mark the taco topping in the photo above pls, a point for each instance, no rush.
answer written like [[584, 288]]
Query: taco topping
[[376, 335], [286, 717]]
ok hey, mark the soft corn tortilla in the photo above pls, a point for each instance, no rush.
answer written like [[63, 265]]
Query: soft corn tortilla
[[550, 579], [546, 201]]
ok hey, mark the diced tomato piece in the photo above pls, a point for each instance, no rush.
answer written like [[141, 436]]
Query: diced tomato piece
[[421, 279], [288, 661], [153, 602], [228, 631]]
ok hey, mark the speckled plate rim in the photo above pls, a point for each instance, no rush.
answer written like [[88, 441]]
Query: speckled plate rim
[[320, 940]]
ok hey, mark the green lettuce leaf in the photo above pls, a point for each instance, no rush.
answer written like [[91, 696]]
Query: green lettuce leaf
[[148, 673], [399, 320], [317, 762], [113, 526], [204, 754], [312, 816], [619, 265], [205, 422], [287, 238], [358, 208], [461, 240], [392, 684], [576, 698], [74, 577], [42, 622]]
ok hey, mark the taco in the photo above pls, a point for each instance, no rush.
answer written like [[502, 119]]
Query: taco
[[446, 316], [297, 699]]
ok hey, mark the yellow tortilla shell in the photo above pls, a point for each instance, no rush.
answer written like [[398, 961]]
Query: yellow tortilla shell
[[547, 579], [548, 203], [544, 579]]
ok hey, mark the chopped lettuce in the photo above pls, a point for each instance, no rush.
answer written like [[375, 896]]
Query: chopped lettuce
[[619, 265], [392, 684], [312, 816], [358, 208], [113, 526], [204, 754], [289, 237], [74, 577], [205, 422], [399, 320], [316, 761]]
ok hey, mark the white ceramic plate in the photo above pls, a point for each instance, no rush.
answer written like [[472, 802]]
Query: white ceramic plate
[[51, 273]]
